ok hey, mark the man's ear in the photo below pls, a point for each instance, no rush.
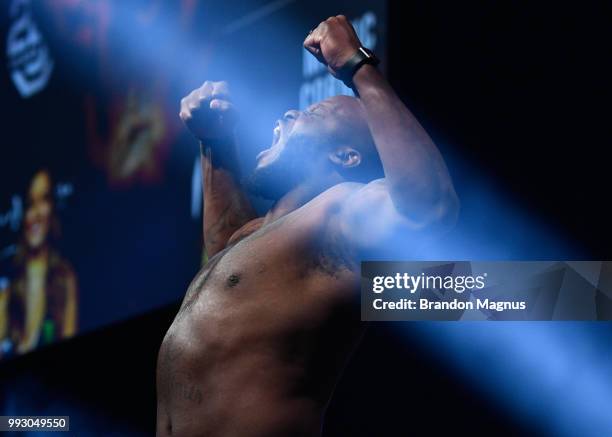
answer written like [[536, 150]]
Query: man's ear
[[345, 157]]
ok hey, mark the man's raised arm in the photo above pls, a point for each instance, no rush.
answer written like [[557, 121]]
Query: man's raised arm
[[416, 182], [211, 117]]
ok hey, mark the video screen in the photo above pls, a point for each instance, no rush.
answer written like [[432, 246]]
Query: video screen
[[100, 184]]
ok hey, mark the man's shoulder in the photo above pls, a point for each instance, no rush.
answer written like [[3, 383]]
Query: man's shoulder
[[342, 188], [333, 196], [309, 218], [345, 194], [346, 188], [246, 230]]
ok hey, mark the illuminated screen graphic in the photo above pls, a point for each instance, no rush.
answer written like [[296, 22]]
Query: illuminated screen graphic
[[100, 192]]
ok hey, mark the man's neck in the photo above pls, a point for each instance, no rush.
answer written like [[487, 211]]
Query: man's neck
[[299, 196]]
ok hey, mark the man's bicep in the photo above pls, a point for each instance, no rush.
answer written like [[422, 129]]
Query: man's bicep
[[368, 219]]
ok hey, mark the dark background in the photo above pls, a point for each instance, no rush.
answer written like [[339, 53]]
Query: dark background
[[521, 92], [516, 96]]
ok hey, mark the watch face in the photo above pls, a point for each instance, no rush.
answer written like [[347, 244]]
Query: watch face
[[370, 56], [365, 51]]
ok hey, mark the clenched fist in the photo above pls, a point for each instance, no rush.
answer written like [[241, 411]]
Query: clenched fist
[[208, 112], [333, 42]]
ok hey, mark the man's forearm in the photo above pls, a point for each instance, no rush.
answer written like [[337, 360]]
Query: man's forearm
[[223, 155], [209, 114], [226, 207], [416, 175]]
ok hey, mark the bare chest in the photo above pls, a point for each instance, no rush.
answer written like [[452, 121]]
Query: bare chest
[[252, 320], [279, 264]]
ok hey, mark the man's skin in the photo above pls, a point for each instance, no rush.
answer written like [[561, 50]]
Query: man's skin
[[268, 324]]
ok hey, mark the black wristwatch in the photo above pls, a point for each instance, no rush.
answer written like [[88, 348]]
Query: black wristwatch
[[361, 57]]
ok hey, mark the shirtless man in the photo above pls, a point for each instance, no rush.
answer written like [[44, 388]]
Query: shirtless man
[[268, 324]]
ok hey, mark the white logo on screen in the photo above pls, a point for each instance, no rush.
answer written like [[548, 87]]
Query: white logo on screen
[[29, 62]]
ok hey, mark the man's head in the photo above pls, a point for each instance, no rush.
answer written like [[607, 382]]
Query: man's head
[[329, 139]]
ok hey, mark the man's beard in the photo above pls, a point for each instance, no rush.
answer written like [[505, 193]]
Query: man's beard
[[279, 177]]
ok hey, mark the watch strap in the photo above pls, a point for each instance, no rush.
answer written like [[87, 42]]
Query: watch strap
[[361, 57]]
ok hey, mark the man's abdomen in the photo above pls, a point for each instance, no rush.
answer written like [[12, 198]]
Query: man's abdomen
[[210, 384]]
